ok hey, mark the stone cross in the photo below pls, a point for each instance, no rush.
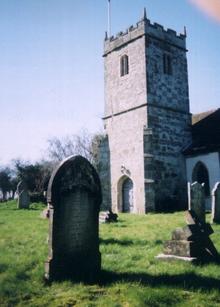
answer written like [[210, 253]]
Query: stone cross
[[216, 203], [74, 198], [196, 199], [191, 243], [23, 196]]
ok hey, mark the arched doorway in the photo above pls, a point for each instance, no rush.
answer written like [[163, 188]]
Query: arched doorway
[[201, 175], [127, 195]]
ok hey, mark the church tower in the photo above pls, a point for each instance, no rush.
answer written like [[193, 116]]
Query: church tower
[[146, 117]]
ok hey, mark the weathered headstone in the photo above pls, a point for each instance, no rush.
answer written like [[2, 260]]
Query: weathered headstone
[[196, 198], [216, 203], [23, 196], [190, 243], [74, 198]]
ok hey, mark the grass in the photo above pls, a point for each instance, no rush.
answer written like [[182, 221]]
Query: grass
[[131, 276]]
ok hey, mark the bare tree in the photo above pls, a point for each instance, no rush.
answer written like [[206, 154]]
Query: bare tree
[[36, 176], [60, 148]]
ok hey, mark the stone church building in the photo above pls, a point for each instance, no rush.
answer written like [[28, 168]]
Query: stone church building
[[203, 154], [146, 119]]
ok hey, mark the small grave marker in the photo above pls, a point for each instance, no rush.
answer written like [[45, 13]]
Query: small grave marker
[[23, 196], [216, 203], [197, 200]]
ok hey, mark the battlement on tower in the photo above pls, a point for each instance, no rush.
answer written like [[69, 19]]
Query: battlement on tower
[[144, 27]]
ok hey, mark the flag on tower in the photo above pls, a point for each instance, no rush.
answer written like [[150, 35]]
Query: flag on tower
[[109, 19]]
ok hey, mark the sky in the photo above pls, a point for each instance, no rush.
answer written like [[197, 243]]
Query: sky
[[51, 65]]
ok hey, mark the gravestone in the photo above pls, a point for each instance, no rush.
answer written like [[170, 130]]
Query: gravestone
[[74, 198], [108, 217], [216, 203], [23, 196], [196, 198], [190, 243]]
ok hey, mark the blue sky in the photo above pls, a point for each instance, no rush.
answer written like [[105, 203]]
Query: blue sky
[[52, 68]]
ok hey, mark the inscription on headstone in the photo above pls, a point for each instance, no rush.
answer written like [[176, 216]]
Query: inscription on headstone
[[23, 196], [74, 197], [196, 197], [216, 203]]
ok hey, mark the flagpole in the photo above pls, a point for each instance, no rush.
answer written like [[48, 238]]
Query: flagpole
[[109, 18]]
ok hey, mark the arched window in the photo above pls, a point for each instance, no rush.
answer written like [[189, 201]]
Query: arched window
[[167, 64], [124, 66], [201, 175]]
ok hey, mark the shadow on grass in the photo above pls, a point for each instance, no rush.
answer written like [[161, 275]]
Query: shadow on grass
[[3, 267], [22, 275], [124, 242], [120, 223], [23, 209], [185, 281], [188, 281]]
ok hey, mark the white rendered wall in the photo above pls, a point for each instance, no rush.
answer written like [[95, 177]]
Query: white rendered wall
[[212, 163]]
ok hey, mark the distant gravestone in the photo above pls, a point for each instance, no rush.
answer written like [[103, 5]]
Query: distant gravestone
[[23, 196], [196, 196], [216, 203], [74, 198], [108, 217]]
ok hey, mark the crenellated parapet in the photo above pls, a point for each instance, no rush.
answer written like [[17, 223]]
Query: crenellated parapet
[[144, 27]]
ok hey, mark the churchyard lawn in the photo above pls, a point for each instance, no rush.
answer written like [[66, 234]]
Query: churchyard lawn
[[131, 276]]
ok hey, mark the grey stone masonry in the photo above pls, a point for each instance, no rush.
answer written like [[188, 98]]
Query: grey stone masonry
[[74, 198], [149, 171], [23, 196], [103, 169], [144, 27], [196, 199], [216, 203], [168, 114], [147, 117]]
